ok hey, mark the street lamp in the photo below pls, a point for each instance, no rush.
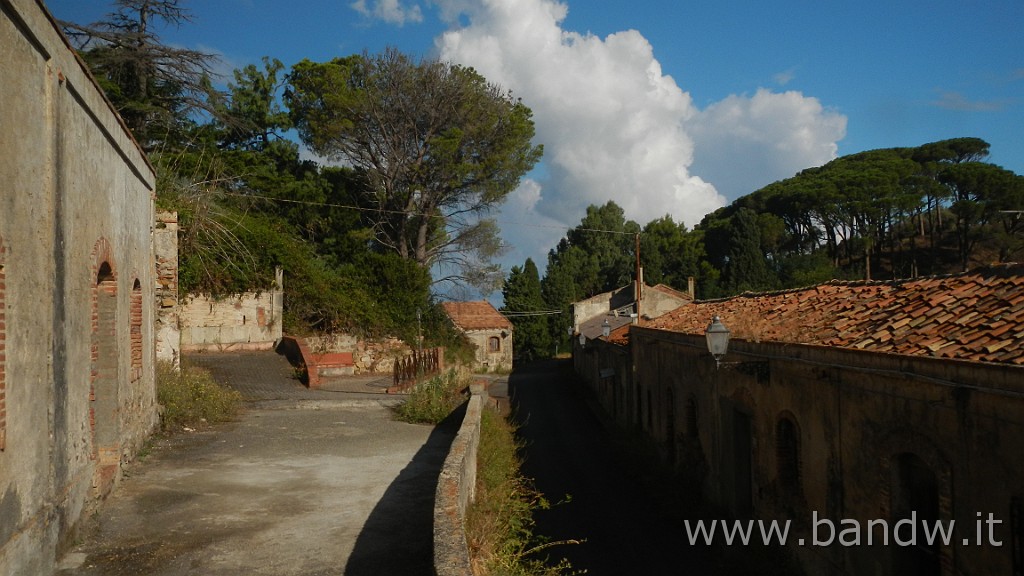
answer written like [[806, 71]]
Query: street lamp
[[718, 339], [606, 328]]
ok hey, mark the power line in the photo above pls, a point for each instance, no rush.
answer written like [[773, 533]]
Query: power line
[[527, 314], [385, 211]]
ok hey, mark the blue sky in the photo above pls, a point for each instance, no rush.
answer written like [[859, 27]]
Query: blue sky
[[671, 107]]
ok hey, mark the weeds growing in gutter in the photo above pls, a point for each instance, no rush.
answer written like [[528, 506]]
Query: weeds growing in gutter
[[499, 523]]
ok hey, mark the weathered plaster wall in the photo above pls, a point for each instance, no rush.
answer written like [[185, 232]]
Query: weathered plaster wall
[[75, 208], [248, 321], [855, 416]]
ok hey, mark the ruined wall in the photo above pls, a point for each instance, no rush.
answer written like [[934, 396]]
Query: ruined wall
[[248, 321], [369, 356], [165, 249], [76, 334], [788, 431]]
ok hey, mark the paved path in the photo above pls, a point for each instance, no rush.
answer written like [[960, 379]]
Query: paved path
[[304, 483]]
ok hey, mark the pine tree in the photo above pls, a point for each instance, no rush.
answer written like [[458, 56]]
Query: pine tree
[[525, 306]]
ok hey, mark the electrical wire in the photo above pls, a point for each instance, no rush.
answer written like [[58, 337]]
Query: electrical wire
[[385, 211]]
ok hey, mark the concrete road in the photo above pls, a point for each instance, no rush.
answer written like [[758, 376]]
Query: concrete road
[[295, 487], [569, 451]]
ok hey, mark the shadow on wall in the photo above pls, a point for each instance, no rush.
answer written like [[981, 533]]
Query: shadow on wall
[[398, 536]]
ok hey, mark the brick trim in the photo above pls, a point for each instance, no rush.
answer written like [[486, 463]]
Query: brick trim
[[135, 330]]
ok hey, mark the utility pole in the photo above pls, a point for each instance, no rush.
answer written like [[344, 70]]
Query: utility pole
[[639, 276]]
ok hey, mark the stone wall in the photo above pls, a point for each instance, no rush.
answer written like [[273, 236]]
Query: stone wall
[[370, 356], [784, 431], [248, 321], [77, 393], [491, 357]]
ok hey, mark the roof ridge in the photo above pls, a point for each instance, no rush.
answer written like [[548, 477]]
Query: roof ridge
[[1003, 268]]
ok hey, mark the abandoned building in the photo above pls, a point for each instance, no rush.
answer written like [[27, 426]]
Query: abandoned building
[[847, 400], [616, 308], [487, 329], [77, 394]]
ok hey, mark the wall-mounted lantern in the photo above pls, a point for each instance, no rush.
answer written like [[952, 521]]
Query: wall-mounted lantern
[[606, 328], [583, 339], [718, 339]]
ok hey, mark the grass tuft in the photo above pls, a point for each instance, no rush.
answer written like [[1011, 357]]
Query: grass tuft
[[431, 401], [191, 397]]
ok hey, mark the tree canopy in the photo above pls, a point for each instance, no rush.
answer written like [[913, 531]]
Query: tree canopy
[[439, 146], [154, 86]]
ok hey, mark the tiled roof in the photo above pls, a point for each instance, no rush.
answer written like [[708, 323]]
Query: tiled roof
[[479, 315], [976, 315]]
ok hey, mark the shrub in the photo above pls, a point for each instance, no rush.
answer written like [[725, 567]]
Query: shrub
[[191, 397], [431, 401]]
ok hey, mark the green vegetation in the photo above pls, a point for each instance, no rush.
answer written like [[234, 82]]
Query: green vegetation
[[882, 214], [357, 243], [432, 400], [499, 523], [190, 398]]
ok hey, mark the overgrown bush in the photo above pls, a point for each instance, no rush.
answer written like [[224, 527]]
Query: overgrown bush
[[499, 523], [191, 397], [431, 401]]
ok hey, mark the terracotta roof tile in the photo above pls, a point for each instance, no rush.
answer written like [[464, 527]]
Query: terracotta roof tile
[[976, 315], [480, 315]]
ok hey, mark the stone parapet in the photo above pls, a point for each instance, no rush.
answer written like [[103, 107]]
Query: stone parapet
[[456, 487]]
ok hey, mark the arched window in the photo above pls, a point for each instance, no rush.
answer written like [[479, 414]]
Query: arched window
[[494, 344], [787, 454]]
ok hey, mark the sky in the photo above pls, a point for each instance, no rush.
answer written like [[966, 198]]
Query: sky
[[669, 107]]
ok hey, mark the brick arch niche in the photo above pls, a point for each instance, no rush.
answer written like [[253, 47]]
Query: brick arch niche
[[915, 476], [103, 388], [135, 330]]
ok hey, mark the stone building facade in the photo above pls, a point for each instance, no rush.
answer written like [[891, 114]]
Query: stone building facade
[[871, 403], [77, 393], [487, 329]]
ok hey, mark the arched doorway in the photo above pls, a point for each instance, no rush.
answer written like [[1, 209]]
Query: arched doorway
[[915, 494]]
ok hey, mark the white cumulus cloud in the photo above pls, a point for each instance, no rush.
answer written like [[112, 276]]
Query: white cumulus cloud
[[390, 11], [615, 127], [746, 142], [610, 121]]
